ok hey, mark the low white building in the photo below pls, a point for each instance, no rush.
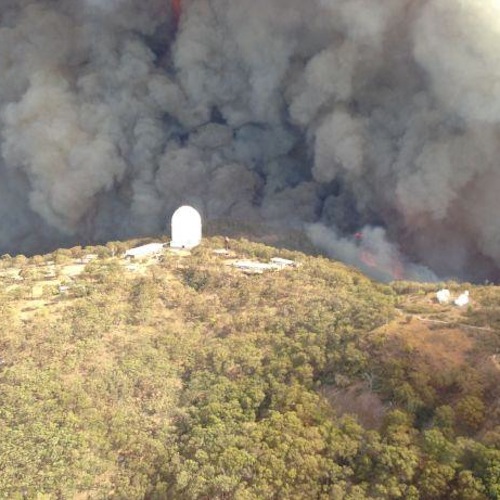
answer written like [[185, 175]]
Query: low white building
[[253, 267], [145, 250], [280, 263]]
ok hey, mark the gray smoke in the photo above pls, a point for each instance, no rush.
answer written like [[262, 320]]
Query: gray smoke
[[338, 116]]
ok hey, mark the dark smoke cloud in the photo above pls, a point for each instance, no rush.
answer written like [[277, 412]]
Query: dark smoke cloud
[[336, 115]]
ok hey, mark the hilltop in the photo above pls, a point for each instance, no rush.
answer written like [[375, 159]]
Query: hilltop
[[180, 376]]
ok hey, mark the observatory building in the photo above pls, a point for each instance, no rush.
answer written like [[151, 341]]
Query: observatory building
[[145, 251], [186, 228]]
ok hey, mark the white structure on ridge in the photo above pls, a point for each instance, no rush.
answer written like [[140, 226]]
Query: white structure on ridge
[[463, 299], [186, 228], [145, 250], [280, 263], [443, 296]]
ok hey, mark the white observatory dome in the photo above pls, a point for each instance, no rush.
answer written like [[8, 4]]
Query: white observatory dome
[[186, 228]]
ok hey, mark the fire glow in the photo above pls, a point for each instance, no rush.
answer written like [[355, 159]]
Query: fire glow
[[389, 264], [176, 12]]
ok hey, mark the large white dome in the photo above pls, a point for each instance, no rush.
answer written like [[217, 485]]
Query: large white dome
[[186, 228]]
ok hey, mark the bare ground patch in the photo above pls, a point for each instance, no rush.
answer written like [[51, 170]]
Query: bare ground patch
[[358, 400]]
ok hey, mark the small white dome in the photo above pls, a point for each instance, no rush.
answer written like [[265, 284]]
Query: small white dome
[[443, 296], [186, 228], [463, 299]]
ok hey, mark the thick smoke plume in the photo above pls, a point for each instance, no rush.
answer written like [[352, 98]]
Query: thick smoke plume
[[343, 116]]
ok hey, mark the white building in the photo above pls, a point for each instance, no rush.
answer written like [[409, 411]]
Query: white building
[[280, 263], [253, 267], [186, 228], [145, 250]]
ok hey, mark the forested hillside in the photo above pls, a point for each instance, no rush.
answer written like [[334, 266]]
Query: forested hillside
[[182, 377]]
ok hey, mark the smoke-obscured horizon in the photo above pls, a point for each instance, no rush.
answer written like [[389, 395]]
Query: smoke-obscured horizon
[[339, 116]]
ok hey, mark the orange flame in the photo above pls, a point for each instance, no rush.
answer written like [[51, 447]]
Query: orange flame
[[367, 258], [395, 268], [176, 11]]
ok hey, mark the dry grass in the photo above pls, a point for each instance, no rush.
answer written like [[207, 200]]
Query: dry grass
[[443, 347]]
